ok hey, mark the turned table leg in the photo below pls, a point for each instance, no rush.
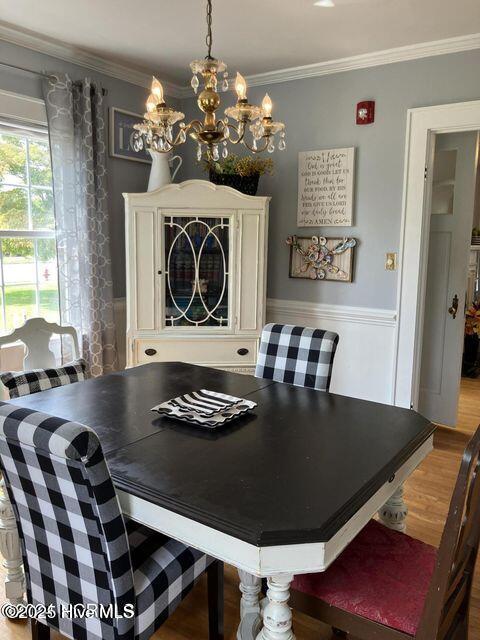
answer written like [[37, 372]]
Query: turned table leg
[[394, 512], [277, 615], [10, 549], [250, 616]]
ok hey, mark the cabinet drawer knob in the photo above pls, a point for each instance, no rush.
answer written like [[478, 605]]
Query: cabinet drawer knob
[[150, 352], [242, 352]]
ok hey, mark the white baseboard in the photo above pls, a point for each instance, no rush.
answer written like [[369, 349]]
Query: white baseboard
[[363, 365]]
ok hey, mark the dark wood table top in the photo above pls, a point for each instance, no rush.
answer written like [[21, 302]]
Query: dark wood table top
[[117, 406], [294, 471]]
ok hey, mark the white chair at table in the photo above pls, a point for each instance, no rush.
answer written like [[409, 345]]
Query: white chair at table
[[36, 335]]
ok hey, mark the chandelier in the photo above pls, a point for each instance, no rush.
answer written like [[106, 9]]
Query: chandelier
[[157, 131]]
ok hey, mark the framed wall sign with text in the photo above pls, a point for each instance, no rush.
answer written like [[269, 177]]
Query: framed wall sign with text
[[325, 187]]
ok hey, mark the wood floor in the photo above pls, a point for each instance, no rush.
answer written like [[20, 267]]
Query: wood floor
[[428, 494], [469, 405]]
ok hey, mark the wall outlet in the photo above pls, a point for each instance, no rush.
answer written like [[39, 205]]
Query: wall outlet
[[391, 261]]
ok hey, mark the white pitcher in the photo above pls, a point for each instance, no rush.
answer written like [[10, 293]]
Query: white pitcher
[[160, 171]]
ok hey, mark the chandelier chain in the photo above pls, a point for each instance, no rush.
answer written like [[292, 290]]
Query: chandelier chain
[[208, 39]]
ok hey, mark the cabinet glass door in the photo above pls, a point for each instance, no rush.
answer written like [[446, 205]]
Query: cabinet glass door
[[196, 271]]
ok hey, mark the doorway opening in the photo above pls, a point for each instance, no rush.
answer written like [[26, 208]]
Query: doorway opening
[[449, 355], [424, 125]]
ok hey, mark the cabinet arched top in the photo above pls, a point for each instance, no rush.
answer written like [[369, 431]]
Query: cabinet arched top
[[197, 194]]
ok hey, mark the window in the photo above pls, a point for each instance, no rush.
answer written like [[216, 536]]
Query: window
[[28, 266]]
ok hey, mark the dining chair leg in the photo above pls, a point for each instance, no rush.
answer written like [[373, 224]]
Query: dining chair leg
[[40, 631], [215, 600], [461, 630]]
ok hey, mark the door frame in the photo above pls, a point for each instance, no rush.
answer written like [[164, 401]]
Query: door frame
[[422, 126]]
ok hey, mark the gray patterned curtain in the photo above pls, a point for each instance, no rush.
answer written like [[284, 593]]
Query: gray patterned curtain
[[76, 123]]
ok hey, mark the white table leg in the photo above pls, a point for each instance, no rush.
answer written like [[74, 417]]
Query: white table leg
[[11, 550], [277, 615], [394, 512], [250, 616]]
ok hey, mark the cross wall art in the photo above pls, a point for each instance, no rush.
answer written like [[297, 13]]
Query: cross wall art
[[319, 258]]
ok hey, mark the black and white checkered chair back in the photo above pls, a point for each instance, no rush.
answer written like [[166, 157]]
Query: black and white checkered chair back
[[74, 543], [297, 355]]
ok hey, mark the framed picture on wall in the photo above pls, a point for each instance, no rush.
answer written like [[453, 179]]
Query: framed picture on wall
[[320, 258], [121, 136]]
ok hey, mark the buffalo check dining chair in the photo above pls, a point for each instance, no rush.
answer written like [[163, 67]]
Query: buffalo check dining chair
[[78, 551], [389, 586], [301, 356], [39, 373]]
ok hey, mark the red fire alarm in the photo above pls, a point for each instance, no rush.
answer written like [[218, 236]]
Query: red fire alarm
[[366, 112]]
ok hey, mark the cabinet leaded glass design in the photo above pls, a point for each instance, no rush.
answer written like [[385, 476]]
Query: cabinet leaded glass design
[[196, 271]]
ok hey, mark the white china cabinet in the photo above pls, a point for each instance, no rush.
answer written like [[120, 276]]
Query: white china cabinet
[[196, 275]]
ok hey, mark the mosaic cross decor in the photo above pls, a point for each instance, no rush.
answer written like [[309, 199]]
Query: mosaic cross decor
[[319, 258]]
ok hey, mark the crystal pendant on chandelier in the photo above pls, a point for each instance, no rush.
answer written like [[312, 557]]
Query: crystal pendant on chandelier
[[225, 81], [252, 126]]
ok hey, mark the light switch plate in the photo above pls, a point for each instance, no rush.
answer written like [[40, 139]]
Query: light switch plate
[[391, 261]]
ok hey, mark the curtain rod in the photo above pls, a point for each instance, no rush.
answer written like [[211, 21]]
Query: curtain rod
[[40, 74], [35, 73]]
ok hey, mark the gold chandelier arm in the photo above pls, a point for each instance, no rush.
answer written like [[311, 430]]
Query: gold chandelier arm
[[240, 131], [193, 124], [177, 141], [258, 149]]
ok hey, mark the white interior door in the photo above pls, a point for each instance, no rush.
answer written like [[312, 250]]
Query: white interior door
[[451, 207]]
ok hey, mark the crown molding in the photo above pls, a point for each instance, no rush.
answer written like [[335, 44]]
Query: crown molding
[[142, 78], [363, 61], [366, 60], [74, 55]]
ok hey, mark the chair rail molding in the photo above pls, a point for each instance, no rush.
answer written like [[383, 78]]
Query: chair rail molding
[[359, 370], [315, 310]]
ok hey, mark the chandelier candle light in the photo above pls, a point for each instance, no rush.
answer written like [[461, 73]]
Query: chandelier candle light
[[156, 132]]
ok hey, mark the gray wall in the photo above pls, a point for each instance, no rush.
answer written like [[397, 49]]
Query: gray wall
[[319, 114], [123, 175]]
